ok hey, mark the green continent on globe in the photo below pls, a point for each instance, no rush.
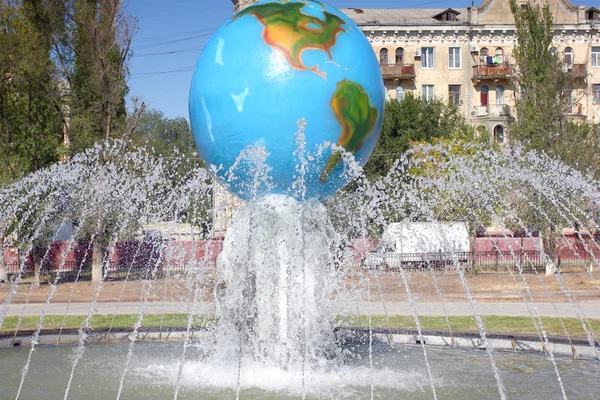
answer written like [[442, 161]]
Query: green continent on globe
[[358, 117], [290, 31]]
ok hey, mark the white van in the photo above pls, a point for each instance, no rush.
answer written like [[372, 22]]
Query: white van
[[421, 244]]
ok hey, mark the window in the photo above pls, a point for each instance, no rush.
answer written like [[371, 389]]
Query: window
[[595, 94], [500, 96], [553, 51], [399, 94], [596, 57], [428, 92], [499, 56], [483, 55], [569, 100], [499, 133], [454, 94], [383, 57], [481, 131], [427, 58], [400, 56], [449, 17], [569, 57], [484, 95], [454, 61]]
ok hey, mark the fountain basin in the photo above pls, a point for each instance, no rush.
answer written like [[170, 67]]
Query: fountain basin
[[397, 373]]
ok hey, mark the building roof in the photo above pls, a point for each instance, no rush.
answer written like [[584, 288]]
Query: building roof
[[403, 16]]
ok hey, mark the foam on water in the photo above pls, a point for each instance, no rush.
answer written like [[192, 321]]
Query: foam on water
[[325, 381]]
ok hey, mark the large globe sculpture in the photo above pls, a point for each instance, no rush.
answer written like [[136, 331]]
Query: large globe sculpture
[[270, 66]]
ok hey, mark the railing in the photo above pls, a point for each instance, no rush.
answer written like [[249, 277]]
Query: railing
[[12, 267], [492, 71], [481, 261], [575, 257], [528, 261], [398, 71], [373, 21], [496, 110], [395, 262], [576, 70], [159, 271]]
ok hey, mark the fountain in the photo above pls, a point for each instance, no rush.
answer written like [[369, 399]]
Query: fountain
[[287, 309]]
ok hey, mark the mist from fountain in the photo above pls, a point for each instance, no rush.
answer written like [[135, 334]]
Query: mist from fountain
[[284, 279]]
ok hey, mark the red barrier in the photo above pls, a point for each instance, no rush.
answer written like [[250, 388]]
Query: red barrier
[[575, 249], [516, 244]]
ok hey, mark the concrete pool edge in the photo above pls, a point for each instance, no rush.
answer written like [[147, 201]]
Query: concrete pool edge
[[578, 348]]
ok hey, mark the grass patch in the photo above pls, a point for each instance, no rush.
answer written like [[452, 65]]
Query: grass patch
[[497, 324], [105, 321], [492, 323]]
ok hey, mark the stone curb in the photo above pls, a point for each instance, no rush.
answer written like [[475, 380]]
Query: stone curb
[[559, 345]]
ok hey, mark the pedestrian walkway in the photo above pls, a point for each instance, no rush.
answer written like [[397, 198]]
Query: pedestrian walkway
[[591, 309]]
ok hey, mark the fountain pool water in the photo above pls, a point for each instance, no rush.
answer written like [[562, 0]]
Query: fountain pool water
[[398, 374]]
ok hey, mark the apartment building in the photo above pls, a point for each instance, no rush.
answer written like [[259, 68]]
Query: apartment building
[[463, 55]]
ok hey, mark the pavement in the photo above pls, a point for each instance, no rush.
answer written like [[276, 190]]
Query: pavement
[[589, 309]]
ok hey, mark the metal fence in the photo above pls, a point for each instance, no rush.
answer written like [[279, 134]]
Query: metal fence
[[528, 261], [134, 259], [71, 271], [401, 21], [491, 261], [157, 271], [576, 258]]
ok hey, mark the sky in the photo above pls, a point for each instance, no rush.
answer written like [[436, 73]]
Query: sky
[[171, 35]]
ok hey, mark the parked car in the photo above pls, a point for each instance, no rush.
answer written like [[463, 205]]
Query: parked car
[[419, 245]]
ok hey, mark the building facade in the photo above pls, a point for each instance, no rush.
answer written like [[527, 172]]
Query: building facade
[[463, 55], [239, 5]]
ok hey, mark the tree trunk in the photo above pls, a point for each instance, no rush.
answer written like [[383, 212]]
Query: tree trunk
[[473, 250], [36, 265], [3, 272], [97, 259], [66, 118]]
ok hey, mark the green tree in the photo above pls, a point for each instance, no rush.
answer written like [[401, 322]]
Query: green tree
[[579, 147], [30, 126], [165, 136], [539, 81], [414, 119], [100, 45], [543, 101]]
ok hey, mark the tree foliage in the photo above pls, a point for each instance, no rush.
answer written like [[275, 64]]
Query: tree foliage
[[100, 39], [413, 119], [30, 125], [164, 135], [544, 91], [63, 79], [539, 80]]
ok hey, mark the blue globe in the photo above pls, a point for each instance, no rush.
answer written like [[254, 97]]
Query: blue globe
[[270, 66]]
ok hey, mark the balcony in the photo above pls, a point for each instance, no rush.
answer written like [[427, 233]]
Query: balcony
[[398, 71], [492, 71], [576, 71], [491, 110]]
